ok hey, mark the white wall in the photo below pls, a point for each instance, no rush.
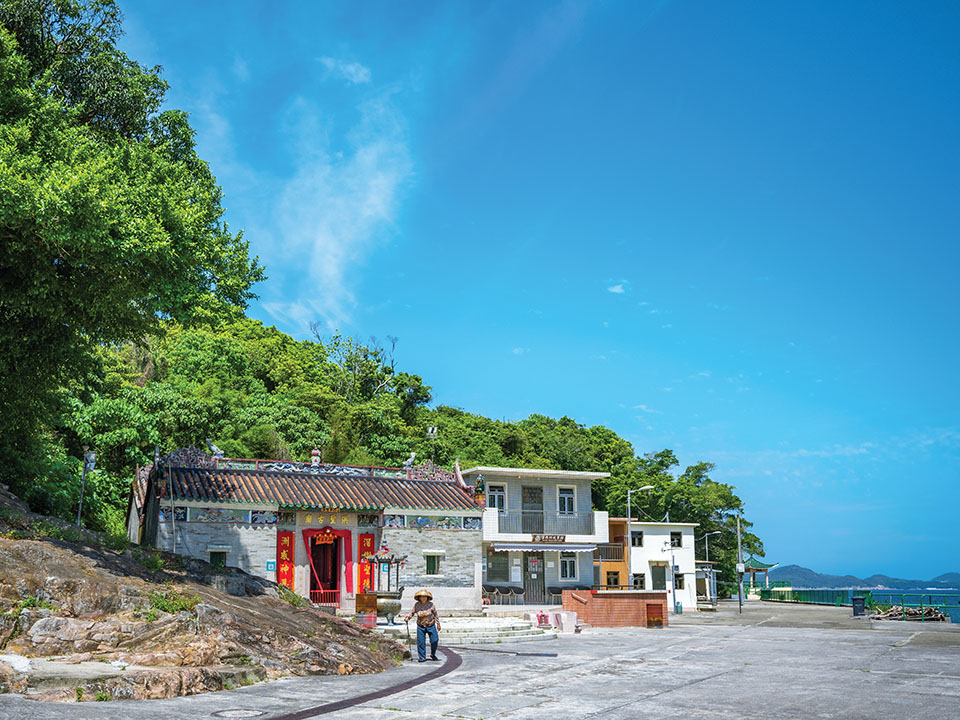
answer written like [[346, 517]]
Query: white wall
[[656, 549]]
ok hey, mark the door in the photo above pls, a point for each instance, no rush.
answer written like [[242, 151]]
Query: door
[[531, 497], [658, 574], [654, 615], [534, 587], [325, 572]]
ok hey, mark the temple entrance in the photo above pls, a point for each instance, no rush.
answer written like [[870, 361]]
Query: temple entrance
[[325, 570]]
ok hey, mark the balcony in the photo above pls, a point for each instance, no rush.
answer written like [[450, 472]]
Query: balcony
[[541, 523], [609, 552]]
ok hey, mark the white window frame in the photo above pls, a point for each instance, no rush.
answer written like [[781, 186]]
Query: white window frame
[[576, 567], [506, 494], [567, 487]]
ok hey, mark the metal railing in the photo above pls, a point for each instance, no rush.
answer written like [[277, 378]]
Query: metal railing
[[608, 552], [541, 523], [329, 598], [949, 604], [815, 597]]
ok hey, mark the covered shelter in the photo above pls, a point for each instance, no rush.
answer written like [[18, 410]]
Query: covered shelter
[[753, 566]]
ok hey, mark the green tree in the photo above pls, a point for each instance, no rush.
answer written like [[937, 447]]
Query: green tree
[[109, 221]]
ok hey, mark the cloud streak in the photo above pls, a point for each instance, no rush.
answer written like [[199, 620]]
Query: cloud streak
[[354, 73], [338, 205]]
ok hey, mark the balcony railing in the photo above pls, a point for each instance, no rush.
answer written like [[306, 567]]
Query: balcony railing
[[329, 598], [609, 552], [541, 523]]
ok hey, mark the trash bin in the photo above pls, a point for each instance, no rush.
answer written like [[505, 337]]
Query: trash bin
[[678, 608], [859, 606]]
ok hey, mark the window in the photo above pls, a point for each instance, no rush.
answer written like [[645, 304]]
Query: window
[[613, 579], [218, 559], [568, 566], [433, 564], [678, 581], [565, 497], [636, 538], [676, 539], [498, 566], [497, 497], [639, 581]]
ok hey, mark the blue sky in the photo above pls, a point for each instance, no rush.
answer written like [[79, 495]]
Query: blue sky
[[729, 229]]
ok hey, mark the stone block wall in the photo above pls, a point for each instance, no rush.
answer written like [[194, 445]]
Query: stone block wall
[[251, 546], [458, 586]]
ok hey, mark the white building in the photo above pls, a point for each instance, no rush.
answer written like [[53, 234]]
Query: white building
[[539, 532], [654, 548]]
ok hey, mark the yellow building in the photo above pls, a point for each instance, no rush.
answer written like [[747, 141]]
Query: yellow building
[[610, 559]]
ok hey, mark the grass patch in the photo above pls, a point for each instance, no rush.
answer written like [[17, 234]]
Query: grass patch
[[152, 561], [29, 602], [117, 542], [151, 615], [227, 685], [290, 597], [103, 696], [172, 601], [79, 694]]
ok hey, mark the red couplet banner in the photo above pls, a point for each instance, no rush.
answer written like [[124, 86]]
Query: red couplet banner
[[365, 569], [285, 559]]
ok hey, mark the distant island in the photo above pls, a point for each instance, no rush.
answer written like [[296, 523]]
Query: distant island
[[801, 577]]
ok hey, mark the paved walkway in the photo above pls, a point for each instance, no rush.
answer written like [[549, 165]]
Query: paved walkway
[[759, 665]]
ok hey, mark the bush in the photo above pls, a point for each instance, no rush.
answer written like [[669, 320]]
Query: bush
[[172, 601], [152, 561], [118, 542]]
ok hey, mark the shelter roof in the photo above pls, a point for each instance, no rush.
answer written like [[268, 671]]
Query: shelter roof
[[753, 564], [287, 488]]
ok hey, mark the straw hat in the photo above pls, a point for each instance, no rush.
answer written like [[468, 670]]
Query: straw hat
[[421, 593]]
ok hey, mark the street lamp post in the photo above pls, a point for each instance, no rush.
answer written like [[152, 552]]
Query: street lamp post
[[89, 462], [630, 531], [706, 542]]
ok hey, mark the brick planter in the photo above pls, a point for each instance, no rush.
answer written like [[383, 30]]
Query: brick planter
[[617, 608]]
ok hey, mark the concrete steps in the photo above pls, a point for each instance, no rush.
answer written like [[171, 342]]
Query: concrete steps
[[478, 631]]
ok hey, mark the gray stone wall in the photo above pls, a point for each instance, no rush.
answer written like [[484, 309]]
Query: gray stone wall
[[251, 546], [460, 551]]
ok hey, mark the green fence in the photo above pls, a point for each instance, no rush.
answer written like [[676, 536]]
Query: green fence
[[816, 597]]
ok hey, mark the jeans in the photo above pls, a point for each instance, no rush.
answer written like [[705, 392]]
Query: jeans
[[422, 633]]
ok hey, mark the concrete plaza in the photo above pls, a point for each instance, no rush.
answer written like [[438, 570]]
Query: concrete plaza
[[774, 661]]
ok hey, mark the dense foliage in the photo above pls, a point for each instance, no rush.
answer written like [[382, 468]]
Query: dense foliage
[[109, 222], [121, 323]]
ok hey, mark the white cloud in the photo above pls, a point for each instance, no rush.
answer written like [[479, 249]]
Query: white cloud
[[352, 72], [520, 351], [646, 409], [336, 208], [617, 289]]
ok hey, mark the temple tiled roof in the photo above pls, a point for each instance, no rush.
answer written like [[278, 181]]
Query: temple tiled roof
[[311, 489]]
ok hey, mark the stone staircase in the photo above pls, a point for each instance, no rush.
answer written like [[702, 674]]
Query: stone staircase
[[477, 631]]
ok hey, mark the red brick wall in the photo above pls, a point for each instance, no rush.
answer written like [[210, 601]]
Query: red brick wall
[[613, 608]]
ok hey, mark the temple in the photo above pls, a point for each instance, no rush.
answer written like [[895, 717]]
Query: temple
[[326, 532]]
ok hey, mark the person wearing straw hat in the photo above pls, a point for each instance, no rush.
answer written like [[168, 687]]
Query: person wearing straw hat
[[428, 623]]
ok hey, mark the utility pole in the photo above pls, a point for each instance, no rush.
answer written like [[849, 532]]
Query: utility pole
[[739, 567]]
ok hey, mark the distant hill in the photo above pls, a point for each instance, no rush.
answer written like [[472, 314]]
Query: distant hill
[[802, 577]]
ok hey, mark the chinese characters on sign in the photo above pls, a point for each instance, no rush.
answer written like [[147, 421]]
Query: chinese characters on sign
[[285, 551], [365, 547]]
